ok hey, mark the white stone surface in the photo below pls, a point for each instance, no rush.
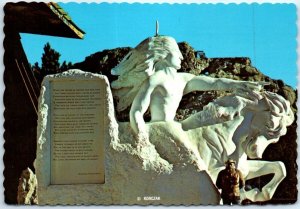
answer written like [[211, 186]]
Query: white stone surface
[[246, 135], [242, 130], [130, 175], [238, 126], [148, 78], [174, 162]]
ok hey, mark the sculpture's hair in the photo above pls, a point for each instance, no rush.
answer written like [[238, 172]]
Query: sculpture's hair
[[138, 65]]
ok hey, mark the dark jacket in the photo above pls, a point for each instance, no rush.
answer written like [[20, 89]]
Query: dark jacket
[[230, 183]]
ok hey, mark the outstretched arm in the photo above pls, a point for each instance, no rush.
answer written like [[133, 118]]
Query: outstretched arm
[[205, 83], [139, 106]]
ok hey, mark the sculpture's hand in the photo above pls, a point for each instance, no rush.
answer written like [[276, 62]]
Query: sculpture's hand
[[249, 90], [249, 86]]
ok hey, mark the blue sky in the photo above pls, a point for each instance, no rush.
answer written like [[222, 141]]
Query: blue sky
[[266, 33]]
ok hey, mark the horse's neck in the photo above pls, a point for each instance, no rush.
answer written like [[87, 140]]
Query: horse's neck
[[240, 136], [243, 130]]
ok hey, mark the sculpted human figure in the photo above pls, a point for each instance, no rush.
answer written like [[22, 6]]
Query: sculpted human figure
[[148, 77], [239, 126]]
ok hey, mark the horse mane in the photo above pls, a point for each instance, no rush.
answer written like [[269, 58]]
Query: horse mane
[[280, 110], [276, 109]]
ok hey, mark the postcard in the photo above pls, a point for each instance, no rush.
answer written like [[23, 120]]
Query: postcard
[[144, 103]]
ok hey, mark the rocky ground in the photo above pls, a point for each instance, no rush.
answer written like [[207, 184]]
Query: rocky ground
[[239, 68]]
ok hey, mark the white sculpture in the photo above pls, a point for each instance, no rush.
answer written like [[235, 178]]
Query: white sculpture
[[148, 77], [253, 128], [237, 126]]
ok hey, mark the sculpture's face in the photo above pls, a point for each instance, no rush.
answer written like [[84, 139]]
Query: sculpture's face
[[255, 147], [174, 60]]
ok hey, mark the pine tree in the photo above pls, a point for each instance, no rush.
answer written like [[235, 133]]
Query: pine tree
[[36, 67], [50, 64], [64, 66], [50, 61], [37, 72]]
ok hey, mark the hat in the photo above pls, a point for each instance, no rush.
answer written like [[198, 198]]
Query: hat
[[229, 161]]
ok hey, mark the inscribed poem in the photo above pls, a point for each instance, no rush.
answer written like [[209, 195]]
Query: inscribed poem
[[77, 135]]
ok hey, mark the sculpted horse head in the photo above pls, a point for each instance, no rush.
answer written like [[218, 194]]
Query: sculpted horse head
[[268, 123]]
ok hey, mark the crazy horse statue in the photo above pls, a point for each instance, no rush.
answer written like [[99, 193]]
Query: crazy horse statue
[[238, 126]]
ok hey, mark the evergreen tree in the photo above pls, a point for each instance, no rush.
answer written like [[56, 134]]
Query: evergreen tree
[[50, 64], [37, 72], [50, 61], [36, 67], [64, 66]]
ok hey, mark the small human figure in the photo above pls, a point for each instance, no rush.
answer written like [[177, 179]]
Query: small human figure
[[230, 181]]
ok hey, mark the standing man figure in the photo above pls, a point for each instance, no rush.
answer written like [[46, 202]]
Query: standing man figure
[[230, 181]]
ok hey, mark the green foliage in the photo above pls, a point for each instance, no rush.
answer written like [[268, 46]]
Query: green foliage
[[50, 61], [37, 72], [65, 66]]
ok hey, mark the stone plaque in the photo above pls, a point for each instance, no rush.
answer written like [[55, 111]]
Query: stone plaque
[[77, 135]]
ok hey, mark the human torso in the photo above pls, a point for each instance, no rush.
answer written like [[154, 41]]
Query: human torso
[[230, 183], [166, 96]]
